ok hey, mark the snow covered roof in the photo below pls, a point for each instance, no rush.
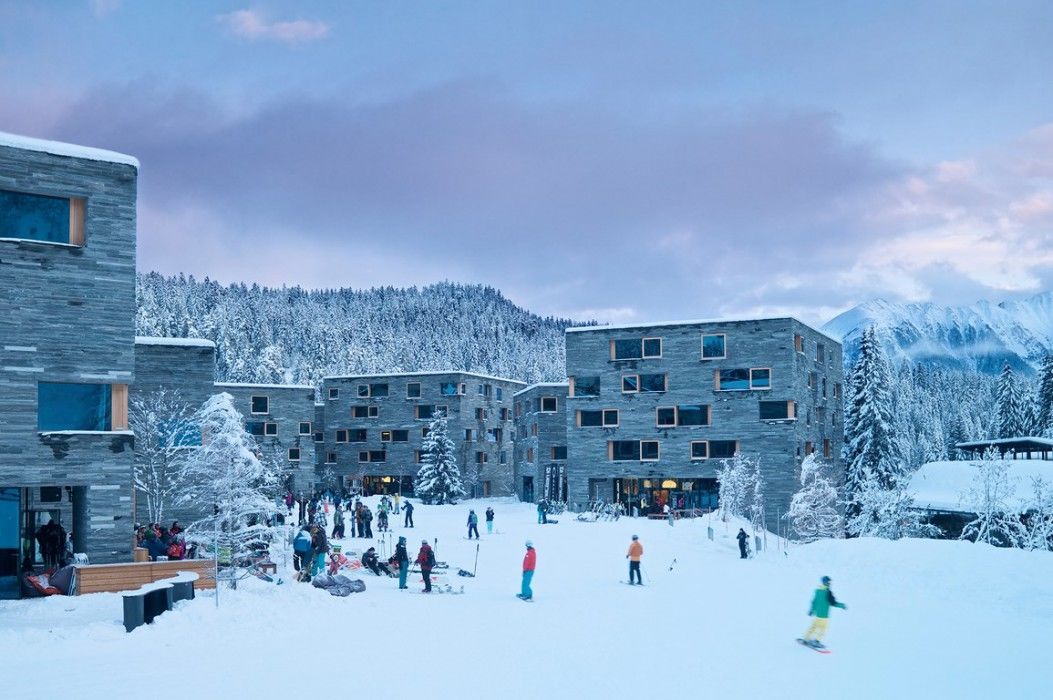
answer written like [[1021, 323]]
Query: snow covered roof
[[697, 322], [244, 385], [59, 148], [540, 385], [184, 342], [1021, 444], [387, 375], [942, 485]]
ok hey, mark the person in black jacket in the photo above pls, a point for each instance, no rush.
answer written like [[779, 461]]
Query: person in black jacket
[[402, 561], [409, 514], [319, 548], [743, 538], [367, 520]]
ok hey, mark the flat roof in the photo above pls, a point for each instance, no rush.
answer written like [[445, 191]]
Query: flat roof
[[248, 385], [387, 375], [696, 322], [179, 342], [58, 148], [541, 385], [1035, 443]]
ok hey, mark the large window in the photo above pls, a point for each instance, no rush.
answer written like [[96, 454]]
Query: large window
[[559, 452], [665, 417], [692, 414], [742, 379], [74, 406], [451, 388], [37, 217], [777, 410], [699, 450], [624, 450], [626, 349], [714, 347], [652, 382], [373, 390], [607, 418], [260, 405], [585, 386], [723, 449], [373, 456], [365, 411], [413, 390], [425, 411], [548, 404]]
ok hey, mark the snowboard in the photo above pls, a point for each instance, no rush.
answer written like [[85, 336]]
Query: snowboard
[[821, 650]]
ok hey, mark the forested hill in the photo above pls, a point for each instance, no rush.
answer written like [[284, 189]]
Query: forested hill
[[295, 335]]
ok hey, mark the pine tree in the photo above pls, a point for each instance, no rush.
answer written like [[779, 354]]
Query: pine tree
[[439, 480], [1044, 413], [814, 510], [1008, 405]]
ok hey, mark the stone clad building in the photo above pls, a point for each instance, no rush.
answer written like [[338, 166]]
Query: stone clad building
[[541, 441], [67, 317], [653, 408]]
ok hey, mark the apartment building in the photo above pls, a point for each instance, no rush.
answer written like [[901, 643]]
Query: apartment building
[[375, 426], [652, 409], [67, 316], [541, 441]]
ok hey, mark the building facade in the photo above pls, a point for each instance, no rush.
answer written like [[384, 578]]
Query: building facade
[[67, 315], [653, 409], [375, 426], [540, 437]]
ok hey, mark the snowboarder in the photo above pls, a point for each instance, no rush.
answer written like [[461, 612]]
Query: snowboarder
[[473, 524], [529, 564], [426, 559], [409, 514], [743, 539], [820, 612], [633, 555], [402, 559], [489, 520]]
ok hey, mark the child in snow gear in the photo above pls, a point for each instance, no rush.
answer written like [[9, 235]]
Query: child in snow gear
[[402, 559], [489, 521], [822, 601], [473, 524], [426, 559], [382, 520], [743, 538], [633, 555], [529, 564]]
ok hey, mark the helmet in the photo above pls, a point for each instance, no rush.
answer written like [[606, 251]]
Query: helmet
[[636, 537], [826, 580], [424, 541], [529, 543]]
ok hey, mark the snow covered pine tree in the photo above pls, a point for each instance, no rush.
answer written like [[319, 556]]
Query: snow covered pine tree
[[439, 480], [814, 510]]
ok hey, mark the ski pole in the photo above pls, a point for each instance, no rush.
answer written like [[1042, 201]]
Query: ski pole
[[476, 567], [672, 564]]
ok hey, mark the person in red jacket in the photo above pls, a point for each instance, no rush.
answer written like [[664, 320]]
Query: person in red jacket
[[426, 559], [529, 563]]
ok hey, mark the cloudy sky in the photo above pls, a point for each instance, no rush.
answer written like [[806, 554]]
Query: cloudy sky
[[611, 160]]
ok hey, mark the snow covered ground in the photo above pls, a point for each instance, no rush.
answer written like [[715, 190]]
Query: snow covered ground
[[924, 618]]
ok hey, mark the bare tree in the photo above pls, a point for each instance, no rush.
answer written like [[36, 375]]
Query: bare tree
[[165, 432]]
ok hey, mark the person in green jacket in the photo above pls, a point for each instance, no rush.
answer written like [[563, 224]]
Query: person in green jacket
[[822, 601]]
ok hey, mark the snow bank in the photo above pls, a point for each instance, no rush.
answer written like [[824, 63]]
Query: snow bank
[[182, 342], [59, 148], [943, 485]]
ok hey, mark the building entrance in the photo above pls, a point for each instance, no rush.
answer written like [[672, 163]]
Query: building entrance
[[651, 495], [10, 542]]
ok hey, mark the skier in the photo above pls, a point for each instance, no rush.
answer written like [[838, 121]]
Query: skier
[[489, 520], [743, 538], [426, 559], [529, 564], [402, 559], [633, 555], [473, 524], [820, 612], [542, 515], [382, 520], [338, 524], [409, 514]]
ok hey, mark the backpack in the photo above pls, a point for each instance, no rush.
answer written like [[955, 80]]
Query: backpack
[[302, 543], [431, 558]]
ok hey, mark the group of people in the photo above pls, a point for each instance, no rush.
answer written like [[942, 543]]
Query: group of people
[[473, 523], [56, 547], [160, 541]]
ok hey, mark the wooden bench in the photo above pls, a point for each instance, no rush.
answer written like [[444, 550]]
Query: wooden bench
[[267, 567], [115, 578]]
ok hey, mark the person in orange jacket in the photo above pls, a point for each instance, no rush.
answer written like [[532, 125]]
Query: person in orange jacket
[[529, 564], [634, 554]]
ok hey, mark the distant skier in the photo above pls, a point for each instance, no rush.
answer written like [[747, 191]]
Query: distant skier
[[402, 560], [743, 539], [409, 514], [426, 559], [382, 520], [529, 564], [367, 519], [489, 520], [397, 499], [473, 524], [319, 548], [633, 555], [542, 513], [338, 524], [820, 612]]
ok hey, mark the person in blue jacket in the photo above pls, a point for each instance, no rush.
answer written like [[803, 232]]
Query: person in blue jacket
[[473, 524], [154, 546]]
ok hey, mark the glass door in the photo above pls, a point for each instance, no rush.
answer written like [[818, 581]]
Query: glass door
[[10, 509]]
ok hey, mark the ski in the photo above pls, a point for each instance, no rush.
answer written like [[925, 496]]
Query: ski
[[820, 650]]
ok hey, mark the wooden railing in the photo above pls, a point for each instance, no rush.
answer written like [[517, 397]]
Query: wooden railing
[[114, 578]]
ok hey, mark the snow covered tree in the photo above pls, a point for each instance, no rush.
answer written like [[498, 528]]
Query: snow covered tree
[[735, 482], [887, 511], [1009, 405], [227, 476], [990, 494], [439, 480], [871, 451], [757, 497], [815, 512], [1044, 409], [1039, 518], [164, 430]]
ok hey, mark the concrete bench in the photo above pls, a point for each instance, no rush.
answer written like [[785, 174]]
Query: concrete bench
[[145, 603], [182, 585]]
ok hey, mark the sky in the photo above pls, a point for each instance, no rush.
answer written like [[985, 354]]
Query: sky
[[611, 161]]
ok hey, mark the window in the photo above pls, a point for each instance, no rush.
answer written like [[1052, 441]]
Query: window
[[723, 449], [714, 347], [559, 452], [652, 382], [330, 458], [481, 392], [742, 379], [413, 390], [777, 410], [760, 378], [481, 414], [506, 414], [798, 343], [630, 383], [448, 389], [385, 436], [826, 449], [809, 448], [400, 436], [649, 450], [610, 418], [481, 458], [379, 390], [504, 457], [334, 394], [468, 435], [357, 435], [607, 418], [699, 449], [418, 456], [319, 437], [813, 380], [50, 494], [260, 405], [424, 411], [255, 428], [270, 429], [77, 406], [548, 404], [341, 436], [837, 391], [692, 414], [305, 428], [584, 386], [294, 454], [530, 454], [365, 411], [628, 349], [487, 390], [623, 450], [462, 388], [665, 417], [373, 456], [37, 217], [652, 347], [499, 394], [533, 430], [820, 415], [820, 353], [425, 431]]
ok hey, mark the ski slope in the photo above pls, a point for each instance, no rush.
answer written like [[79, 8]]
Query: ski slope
[[924, 618]]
